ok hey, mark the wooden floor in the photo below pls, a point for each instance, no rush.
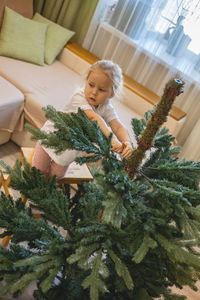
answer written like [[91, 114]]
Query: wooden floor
[[9, 152]]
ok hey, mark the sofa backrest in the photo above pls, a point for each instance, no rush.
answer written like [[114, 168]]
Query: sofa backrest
[[23, 7]]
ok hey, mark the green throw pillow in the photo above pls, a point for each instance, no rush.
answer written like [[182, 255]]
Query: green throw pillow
[[57, 37], [22, 38]]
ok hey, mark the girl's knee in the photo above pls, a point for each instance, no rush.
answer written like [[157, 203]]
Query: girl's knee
[[41, 160], [57, 170]]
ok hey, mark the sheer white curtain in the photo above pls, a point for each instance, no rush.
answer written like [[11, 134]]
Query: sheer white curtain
[[152, 40]]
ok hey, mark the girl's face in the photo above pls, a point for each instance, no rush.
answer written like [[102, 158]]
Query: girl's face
[[98, 88]]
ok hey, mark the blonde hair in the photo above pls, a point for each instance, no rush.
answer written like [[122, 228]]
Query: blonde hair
[[112, 70]]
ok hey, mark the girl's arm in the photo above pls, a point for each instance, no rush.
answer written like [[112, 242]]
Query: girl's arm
[[92, 116], [122, 135]]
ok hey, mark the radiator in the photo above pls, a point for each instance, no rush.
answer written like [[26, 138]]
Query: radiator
[[110, 43], [136, 62]]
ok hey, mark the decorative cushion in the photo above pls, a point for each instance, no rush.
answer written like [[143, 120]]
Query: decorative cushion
[[23, 7], [57, 37], [22, 38]]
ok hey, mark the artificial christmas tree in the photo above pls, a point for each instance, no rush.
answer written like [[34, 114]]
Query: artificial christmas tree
[[132, 233]]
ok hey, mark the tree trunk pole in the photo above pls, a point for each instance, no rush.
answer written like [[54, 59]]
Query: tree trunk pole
[[172, 89]]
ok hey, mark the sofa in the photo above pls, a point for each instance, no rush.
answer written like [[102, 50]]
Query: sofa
[[47, 85], [53, 84]]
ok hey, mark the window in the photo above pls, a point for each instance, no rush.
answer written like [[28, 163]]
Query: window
[[167, 29], [152, 40]]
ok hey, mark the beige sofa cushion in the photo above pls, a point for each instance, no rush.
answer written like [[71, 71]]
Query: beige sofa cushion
[[23, 7], [41, 85]]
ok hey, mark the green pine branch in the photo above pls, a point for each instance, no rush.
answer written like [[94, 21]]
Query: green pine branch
[[41, 192], [74, 131]]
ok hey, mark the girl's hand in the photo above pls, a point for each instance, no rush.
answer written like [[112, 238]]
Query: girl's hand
[[116, 147], [126, 150]]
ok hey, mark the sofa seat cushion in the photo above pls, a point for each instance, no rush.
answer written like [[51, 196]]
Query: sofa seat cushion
[[125, 115], [41, 85]]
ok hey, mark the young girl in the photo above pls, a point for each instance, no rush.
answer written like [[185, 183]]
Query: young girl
[[104, 80]]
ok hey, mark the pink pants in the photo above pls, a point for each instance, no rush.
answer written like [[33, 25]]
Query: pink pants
[[42, 161]]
